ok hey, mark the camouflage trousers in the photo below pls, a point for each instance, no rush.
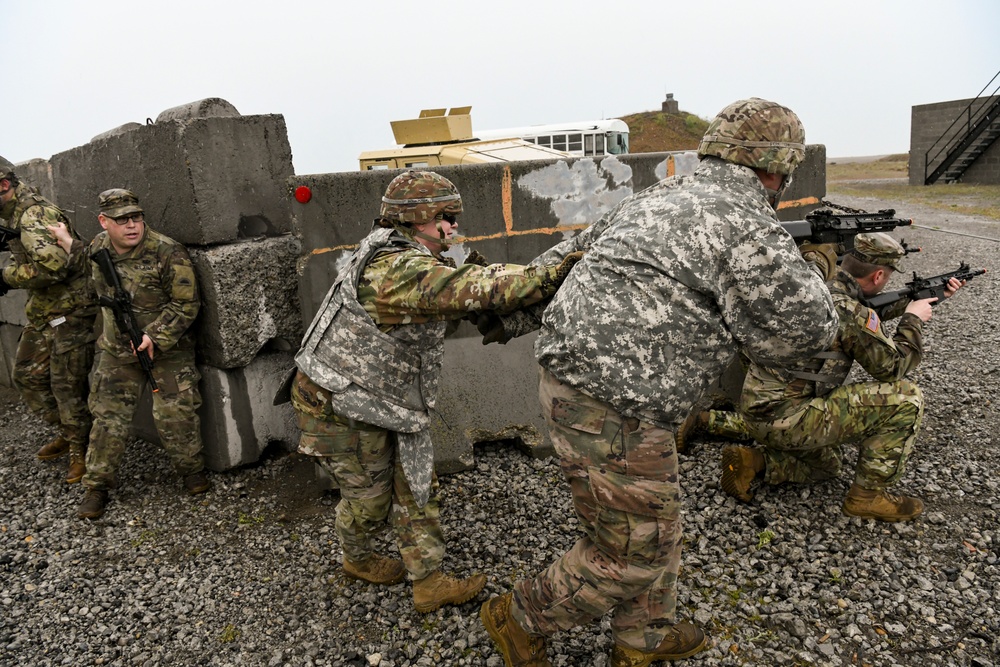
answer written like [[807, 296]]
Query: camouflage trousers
[[362, 460], [804, 445], [54, 382], [118, 383], [623, 478]]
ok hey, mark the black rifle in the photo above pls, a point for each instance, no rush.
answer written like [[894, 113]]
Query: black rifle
[[924, 288], [121, 305], [6, 234], [825, 226]]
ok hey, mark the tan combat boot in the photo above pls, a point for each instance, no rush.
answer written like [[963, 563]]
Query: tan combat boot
[[93, 504], [881, 505], [376, 570], [519, 649], [438, 589], [77, 464], [53, 450], [197, 482], [740, 466], [695, 424], [682, 641]]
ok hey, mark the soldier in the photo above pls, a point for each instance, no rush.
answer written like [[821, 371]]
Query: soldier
[[675, 281], [802, 415], [56, 349], [368, 372], [157, 273]]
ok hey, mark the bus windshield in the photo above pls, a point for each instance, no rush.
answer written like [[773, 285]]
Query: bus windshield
[[618, 143]]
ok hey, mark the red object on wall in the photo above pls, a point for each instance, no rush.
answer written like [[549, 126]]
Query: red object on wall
[[303, 194]]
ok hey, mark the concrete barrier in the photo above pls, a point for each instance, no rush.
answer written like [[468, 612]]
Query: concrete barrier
[[222, 184]]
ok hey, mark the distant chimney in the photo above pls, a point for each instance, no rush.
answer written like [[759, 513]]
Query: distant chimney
[[670, 105]]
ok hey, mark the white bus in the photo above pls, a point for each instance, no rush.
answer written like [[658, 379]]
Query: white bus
[[586, 138]]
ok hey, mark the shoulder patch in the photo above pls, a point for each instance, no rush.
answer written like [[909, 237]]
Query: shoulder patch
[[873, 321]]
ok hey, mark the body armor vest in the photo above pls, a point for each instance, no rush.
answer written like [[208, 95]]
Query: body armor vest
[[390, 379]]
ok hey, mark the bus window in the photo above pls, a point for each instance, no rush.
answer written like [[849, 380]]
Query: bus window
[[545, 141], [588, 144], [559, 142], [575, 143], [599, 144], [617, 143]]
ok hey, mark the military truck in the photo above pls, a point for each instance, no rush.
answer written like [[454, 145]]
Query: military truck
[[440, 136]]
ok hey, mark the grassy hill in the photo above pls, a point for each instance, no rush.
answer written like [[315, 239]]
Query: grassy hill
[[654, 131]]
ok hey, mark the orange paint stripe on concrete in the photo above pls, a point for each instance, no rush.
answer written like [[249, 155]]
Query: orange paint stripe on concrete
[[671, 167], [507, 199], [805, 201]]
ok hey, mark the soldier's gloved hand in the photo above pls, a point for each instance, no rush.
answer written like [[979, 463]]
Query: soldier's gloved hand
[[569, 261], [823, 255], [490, 325], [476, 257]]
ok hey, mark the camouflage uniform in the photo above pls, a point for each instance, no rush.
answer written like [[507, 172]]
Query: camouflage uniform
[[803, 413], [676, 279], [160, 278], [367, 381], [56, 349]]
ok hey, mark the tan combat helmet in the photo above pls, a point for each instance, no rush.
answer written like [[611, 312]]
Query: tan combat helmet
[[6, 168], [756, 133]]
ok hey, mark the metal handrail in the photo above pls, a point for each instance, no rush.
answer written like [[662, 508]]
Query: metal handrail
[[968, 114]]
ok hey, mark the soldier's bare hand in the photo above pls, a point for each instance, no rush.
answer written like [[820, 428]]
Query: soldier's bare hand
[[63, 237], [954, 284], [146, 345], [921, 308]]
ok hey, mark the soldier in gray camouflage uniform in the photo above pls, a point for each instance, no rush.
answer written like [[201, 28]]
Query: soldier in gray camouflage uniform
[[157, 272], [368, 373], [675, 281], [56, 349], [802, 413]]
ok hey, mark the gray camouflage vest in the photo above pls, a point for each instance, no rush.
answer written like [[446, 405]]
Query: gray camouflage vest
[[389, 379]]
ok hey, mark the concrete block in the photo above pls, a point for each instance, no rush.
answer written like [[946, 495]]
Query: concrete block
[[238, 420], [9, 337], [201, 181], [249, 300], [121, 129], [487, 393], [207, 108], [38, 174]]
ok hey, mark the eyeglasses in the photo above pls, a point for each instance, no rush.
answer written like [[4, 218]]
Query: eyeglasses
[[137, 218]]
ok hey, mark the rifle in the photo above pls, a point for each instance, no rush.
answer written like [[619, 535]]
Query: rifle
[[825, 226], [6, 234], [924, 288], [121, 305]]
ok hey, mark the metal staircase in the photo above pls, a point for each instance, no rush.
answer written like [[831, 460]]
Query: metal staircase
[[969, 135]]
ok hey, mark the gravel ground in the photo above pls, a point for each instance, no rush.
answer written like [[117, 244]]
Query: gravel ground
[[248, 574]]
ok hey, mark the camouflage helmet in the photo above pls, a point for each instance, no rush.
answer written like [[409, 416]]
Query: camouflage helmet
[[419, 196], [758, 134]]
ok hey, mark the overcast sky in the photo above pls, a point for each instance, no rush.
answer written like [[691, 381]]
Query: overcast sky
[[340, 70]]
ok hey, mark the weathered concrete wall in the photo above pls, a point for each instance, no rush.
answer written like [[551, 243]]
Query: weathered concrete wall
[[512, 213], [928, 122]]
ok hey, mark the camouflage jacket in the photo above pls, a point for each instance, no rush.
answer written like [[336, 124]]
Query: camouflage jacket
[[56, 290], [772, 392], [159, 276], [377, 341], [391, 303], [676, 279]]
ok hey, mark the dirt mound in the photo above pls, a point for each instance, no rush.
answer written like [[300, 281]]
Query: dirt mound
[[655, 131]]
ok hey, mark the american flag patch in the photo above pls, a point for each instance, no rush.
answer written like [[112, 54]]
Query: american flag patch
[[872, 323]]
